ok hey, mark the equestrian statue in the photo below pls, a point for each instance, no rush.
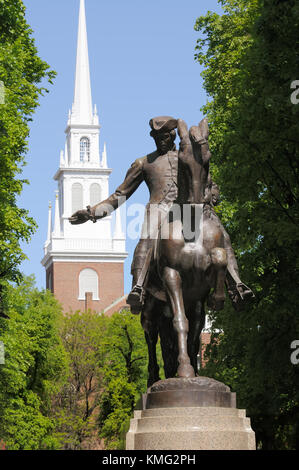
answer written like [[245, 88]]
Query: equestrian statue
[[184, 259]]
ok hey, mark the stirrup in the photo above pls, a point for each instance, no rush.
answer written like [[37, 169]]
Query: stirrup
[[135, 297], [244, 291]]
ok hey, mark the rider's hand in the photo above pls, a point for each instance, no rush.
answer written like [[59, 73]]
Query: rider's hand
[[80, 217]]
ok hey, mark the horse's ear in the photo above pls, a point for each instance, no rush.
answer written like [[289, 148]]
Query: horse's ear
[[204, 128], [195, 134]]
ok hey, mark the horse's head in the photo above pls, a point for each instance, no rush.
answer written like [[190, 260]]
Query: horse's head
[[194, 157], [199, 134]]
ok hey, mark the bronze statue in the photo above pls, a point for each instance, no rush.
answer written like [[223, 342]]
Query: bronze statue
[[163, 267]]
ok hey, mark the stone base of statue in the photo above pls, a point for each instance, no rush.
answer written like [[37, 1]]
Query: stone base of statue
[[190, 414]]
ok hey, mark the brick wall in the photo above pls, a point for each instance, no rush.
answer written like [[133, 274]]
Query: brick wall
[[205, 339], [65, 284]]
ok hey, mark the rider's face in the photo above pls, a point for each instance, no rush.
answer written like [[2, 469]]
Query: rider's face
[[164, 142]]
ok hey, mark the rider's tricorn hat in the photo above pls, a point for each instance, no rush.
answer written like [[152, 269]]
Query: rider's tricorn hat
[[163, 123]]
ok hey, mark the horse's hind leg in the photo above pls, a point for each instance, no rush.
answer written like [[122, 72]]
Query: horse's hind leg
[[150, 326], [196, 317], [173, 283], [169, 346]]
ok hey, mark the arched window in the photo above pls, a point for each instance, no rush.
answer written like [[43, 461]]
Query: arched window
[[95, 194], [88, 282], [84, 150], [77, 197]]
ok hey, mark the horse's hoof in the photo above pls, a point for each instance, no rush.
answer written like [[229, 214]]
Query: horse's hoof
[[186, 371], [215, 303]]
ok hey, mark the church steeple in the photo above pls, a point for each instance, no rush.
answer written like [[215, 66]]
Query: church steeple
[[82, 112], [83, 129], [80, 260]]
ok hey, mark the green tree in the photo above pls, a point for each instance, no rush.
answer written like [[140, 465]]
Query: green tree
[[34, 368], [106, 373], [21, 76], [75, 406], [250, 59]]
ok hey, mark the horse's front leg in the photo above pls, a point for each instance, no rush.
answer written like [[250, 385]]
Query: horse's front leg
[[150, 326], [173, 283], [219, 262]]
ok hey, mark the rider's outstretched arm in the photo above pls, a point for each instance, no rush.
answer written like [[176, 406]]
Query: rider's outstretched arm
[[133, 179]]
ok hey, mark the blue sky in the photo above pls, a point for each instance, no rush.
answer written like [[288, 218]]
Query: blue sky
[[142, 65]]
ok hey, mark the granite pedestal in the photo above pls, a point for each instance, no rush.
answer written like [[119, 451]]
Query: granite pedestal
[[190, 414]]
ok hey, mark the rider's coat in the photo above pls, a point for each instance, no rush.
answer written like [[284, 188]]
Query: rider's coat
[[159, 172]]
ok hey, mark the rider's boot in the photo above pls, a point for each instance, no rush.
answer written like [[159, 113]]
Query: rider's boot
[[136, 297]]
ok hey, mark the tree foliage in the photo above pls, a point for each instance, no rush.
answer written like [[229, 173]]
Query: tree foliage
[[34, 368], [250, 59], [75, 406], [106, 373], [21, 76], [70, 381]]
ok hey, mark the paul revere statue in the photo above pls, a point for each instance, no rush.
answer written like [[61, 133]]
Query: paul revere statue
[[159, 171]]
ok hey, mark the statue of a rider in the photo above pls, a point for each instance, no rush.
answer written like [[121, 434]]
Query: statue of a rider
[[159, 171]]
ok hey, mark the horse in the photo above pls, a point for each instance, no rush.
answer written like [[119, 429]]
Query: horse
[[191, 266]]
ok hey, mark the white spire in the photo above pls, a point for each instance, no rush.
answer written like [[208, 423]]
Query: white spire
[[104, 157], [82, 112], [56, 231]]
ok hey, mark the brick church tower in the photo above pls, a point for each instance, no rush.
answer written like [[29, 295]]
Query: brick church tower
[[84, 263]]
